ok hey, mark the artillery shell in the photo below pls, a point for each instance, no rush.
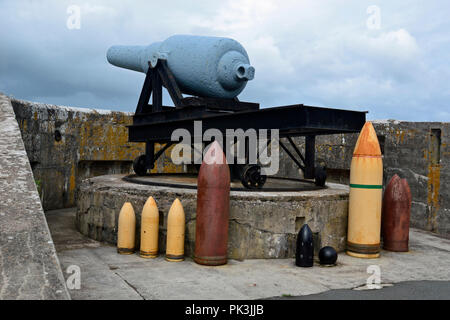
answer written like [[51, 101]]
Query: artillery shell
[[213, 206], [126, 230], [149, 229], [396, 215], [366, 184], [175, 232]]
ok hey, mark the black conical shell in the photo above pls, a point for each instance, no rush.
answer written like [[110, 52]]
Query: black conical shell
[[304, 255]]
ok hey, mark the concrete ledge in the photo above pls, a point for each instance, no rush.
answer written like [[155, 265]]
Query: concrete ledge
[[262, 224], [28, 263]]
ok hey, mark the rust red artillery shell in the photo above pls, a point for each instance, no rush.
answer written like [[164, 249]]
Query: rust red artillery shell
[[396, 214], [213, 206]]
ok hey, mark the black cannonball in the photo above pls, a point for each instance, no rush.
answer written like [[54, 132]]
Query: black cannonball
[[327, 255]]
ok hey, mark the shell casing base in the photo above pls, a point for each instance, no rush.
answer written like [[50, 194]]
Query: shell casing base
[[125, 251], [363, 256], [396, 246], [211, 261], [148, 255], [174, 258]]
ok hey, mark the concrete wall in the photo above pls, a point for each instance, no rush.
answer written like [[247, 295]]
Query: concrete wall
[[29, 267], [417, 151], [66, 145]]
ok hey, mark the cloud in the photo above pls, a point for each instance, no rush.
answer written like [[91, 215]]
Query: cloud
[[311, 52]]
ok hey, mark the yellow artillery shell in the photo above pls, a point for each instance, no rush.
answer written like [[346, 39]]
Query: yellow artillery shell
[[175, 232], [126, 230], [366, 186], [149, 229]]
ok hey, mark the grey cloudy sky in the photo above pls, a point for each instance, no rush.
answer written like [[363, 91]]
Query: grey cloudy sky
[[314, 52]]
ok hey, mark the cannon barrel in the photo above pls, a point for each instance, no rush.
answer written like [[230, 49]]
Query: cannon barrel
[[203, 66]]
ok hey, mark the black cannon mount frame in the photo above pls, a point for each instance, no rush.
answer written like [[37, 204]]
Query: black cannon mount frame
[[154, 123]]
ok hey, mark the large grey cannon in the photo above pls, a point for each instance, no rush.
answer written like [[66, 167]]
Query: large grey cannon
[[215, 70], [202, 66]]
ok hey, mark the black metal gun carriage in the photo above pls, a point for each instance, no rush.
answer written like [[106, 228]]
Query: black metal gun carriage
[[154, 123]]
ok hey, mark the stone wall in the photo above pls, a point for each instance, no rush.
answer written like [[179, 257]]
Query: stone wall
[[417, 151], [66, 145], [29, 267]]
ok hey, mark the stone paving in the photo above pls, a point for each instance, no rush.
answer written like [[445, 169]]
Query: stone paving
[[29, 267], [108, 275]]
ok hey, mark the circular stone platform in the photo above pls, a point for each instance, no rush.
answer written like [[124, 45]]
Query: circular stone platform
[[263, 224], [189, 181]]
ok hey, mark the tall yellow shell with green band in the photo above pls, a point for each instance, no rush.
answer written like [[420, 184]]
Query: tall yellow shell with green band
[[366, 187]]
